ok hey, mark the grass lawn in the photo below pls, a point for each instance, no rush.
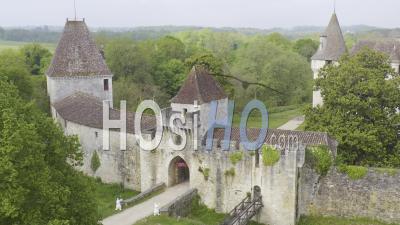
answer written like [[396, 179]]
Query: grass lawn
[[106, 194], [311, 220], [16, 44], [201, 215], [277, 116]]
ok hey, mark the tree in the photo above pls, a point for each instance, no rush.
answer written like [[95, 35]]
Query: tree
[[306, 48], [283, 70], [38, 185], [215, 66], [360, 109], [37, 58], [14, 69]]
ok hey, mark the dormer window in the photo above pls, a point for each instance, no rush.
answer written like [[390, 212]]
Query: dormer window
[[106, 84]]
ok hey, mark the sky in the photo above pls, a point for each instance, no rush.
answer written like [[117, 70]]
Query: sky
[[214, 13]]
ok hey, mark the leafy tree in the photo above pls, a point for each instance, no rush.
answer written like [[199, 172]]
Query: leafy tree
[[170, 75], [37, 185], [306, 48], [278, 39], [127, 58], [37, 58], [215, 67], [360, 109], [284, 71], [13, 68], [169, 47]]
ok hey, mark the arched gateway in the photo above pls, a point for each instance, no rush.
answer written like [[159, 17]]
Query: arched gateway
[[178, 171]]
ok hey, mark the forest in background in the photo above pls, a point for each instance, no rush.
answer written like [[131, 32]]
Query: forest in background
[[152, 62]]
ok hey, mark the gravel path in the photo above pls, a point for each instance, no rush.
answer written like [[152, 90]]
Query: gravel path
[[135, 213]]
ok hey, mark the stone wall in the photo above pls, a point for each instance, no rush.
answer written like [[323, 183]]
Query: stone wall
[[377, 195], [181, 206], [116, 166]]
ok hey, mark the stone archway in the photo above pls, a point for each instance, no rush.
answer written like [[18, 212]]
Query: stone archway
[[178, 171]]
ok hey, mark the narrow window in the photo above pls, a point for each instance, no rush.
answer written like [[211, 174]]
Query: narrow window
[[96, 134], [184, 112], [106, 84]]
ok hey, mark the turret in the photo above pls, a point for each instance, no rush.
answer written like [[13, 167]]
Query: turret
[[200, 87], [78, 66], [331, 48]]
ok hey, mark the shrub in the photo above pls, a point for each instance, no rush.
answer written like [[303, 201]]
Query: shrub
[[205, 172], [320, 159], [270, 155], [95, 162], [236, 157], [354, 172], [230, 172]]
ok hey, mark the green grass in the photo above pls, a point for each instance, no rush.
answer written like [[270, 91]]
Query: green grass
[[354, 172], [106, 194], [200, 215], [16, 45], [317, 220], [277, 116]]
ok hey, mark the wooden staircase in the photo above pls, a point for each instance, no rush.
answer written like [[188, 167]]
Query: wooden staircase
[[244, 211]]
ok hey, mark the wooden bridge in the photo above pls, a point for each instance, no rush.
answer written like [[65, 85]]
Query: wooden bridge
[[244, 211]]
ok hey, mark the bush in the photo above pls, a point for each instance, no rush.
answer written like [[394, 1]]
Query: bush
[[270, 155], [354, 172], [236, 157], [230, 172], [95, 162], [320, 159]]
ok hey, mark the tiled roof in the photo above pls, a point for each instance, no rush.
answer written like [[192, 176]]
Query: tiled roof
[[200, 86], [77, 54], [87, 110], [335, 46], [274, 135], [390, 47]]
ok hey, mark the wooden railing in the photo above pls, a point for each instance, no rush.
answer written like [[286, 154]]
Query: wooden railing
[[244, 211]]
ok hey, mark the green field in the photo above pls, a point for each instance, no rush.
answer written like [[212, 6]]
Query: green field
[[16, 45], [277, 116]]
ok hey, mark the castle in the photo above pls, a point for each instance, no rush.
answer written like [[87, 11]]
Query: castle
[[78, 82], [332, 46]]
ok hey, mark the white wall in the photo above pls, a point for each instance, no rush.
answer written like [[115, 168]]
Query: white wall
[[61, 87]]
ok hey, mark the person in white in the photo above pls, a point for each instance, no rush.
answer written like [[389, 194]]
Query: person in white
[[118, 204], [156, 209]]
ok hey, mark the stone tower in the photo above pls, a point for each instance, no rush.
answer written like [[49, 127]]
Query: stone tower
[[201, 87], [331, 48], [78, 66]]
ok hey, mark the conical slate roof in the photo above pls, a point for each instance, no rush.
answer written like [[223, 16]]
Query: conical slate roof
[[200, 86], [335, 46], [77, 54]]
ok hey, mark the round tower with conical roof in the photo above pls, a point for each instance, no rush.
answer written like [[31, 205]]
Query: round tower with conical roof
[[331, 48], [78, 66]]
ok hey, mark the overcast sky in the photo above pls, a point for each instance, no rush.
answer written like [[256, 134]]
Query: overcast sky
[[216, 13]]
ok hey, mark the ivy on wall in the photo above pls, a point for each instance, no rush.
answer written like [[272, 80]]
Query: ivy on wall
[[236, 157], [270, 155], [320, 158]]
